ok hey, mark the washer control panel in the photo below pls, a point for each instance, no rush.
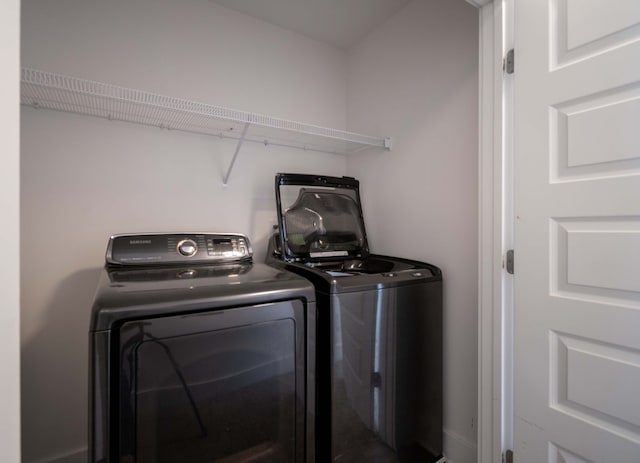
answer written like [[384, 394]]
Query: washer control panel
[[175, 248]]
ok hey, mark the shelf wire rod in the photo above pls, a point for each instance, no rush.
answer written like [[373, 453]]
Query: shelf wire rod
[[53, 91], [235, 155]]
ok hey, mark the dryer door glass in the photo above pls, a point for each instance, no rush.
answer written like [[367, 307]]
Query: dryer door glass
[[215, 387]]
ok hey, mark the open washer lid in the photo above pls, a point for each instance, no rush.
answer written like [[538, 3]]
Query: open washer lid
[[320, 218]]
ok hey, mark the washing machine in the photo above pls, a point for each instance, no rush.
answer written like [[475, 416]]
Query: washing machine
[[199, 355], [379, 327]]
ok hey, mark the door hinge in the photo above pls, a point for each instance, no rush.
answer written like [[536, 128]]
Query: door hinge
[[509, 262], [507, 457], [508, 62]]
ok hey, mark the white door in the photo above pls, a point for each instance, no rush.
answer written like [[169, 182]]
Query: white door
[[577, 232]]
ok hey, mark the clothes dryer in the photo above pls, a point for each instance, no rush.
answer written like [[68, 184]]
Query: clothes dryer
[[199, 355], [379, 331]]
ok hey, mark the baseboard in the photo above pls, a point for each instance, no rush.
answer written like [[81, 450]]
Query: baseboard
[[74, 456], [458, 449]]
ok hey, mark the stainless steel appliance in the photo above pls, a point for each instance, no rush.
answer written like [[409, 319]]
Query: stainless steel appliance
[[199, 355], [379, 331]]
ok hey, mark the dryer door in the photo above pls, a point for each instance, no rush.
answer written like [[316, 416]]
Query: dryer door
[[223, 386]]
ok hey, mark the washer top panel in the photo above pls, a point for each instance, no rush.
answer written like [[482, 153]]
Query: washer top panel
[[150, 249], [126, 293], [161, 274]]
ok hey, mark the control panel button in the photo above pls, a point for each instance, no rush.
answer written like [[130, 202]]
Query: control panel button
[[187, 248]]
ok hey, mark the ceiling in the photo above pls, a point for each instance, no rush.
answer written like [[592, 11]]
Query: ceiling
[[341, 23]]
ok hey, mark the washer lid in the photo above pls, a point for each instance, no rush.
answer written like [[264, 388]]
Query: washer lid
[[320, 217]]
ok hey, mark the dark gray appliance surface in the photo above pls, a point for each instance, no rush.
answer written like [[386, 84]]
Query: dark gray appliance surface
[[379, 327], [379, 360], [320, 217], [213, 361], [125, 293], [177, 248]]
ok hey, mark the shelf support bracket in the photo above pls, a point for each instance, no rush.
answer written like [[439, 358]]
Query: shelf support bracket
[[235, 155]]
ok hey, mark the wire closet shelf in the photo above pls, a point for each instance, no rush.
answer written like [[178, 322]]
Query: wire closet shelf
[[41, 89]]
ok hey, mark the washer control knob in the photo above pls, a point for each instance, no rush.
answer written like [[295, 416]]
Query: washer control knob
[[187, 248]]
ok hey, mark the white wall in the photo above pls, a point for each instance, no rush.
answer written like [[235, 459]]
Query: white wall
[[85, 178], [9, 231], [416, 78]]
